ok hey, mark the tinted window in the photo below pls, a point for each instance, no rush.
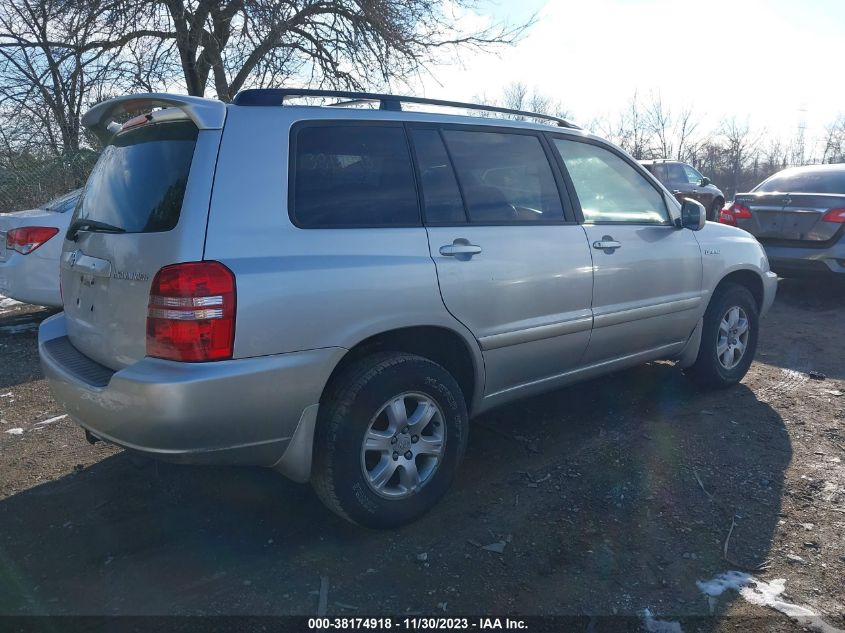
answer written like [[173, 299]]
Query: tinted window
[[660, 172], [139, 180], [676, 173], [353, 175], [504, 177], [609, 189], [806, 181], [441, 197]]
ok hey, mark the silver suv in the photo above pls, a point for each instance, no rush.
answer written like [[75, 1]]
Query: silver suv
[[334, 291]]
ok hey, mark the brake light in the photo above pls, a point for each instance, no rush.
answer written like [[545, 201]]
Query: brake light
[[834, 215], [733, 212], [191, 314], [26, 239]]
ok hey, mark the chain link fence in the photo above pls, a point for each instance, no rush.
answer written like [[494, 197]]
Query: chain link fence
[[27, 182]]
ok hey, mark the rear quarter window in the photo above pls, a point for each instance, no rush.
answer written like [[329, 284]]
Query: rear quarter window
[[350, 176], [138, 183]]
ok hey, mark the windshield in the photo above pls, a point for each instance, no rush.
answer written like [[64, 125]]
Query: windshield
[[805, 181], [64, 203], [139, 181]]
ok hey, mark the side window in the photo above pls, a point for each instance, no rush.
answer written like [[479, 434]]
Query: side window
[[441, 197], [677, 174], [659, 171], [353, 176], [609, 189], [693, 177], [504, 177]]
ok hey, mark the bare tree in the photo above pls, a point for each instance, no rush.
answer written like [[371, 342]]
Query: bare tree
[[232, 44], [629, 130], [740, 150], [54, 56], [659, 125], [834, 141]]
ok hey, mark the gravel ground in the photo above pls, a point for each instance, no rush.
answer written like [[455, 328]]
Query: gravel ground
[[610, 497]]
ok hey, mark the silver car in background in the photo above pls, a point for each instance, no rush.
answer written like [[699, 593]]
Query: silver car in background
[[30, 247], [798, 215], [334, 291]]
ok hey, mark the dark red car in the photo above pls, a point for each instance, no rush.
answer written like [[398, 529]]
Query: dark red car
[[686, 182]]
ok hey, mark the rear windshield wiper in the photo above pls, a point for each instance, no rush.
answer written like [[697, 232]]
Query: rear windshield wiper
[[91, 225]]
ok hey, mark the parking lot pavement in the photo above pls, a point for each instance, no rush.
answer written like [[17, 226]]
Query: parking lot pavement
[[609, 497]]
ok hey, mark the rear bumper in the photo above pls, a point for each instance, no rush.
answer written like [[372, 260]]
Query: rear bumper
[[30, 279], [796, 260], [242, 411]]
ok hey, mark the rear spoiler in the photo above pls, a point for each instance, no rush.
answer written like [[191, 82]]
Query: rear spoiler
[[207, 114]]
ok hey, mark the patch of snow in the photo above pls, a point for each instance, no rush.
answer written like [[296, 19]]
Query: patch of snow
[[5, 395], [715, 587], [764, 594], [15, 431], [653, 625], [5, 302], [51, 420]]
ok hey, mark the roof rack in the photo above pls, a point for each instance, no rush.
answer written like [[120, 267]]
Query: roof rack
[[277, 96]]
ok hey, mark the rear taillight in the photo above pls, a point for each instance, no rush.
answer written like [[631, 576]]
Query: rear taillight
[[191, 315], [733, 212], [26, 239], [834, 215]]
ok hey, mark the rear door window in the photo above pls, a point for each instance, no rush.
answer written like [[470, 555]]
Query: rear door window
[[442, 202], [504, 177], [660, 172], [677, 174], [138, 183], [349, 176]]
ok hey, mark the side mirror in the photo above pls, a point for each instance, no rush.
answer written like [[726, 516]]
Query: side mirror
[[693, 215], [704, 181]]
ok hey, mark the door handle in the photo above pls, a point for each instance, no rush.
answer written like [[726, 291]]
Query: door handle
[[607, 243], [460, 248]]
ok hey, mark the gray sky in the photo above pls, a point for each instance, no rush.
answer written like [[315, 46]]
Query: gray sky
[[772, 61]]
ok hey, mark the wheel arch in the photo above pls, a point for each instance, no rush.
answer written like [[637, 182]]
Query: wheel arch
[[749, 279], [444, 346]]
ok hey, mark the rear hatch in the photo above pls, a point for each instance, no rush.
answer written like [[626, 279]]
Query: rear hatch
[[145, 206], [795, 207]]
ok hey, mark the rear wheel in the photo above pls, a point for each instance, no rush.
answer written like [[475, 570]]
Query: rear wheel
[[715, 210], [728, 338], [389, 439]]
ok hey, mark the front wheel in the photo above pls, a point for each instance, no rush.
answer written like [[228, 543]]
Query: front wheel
[[390, 436], [728, 338]]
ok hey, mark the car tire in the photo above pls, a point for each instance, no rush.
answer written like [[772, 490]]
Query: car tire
[[391, 433], [728, 338], [715, 210]]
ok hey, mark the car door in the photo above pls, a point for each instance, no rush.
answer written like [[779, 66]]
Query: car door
[[647, 273], [512, 265], [695, 189]]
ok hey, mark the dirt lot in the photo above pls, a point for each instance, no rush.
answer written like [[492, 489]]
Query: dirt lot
[[610, 497]]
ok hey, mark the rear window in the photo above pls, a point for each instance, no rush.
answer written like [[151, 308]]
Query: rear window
[[348, 176], [805, 181], [138, 183], [63, 203]]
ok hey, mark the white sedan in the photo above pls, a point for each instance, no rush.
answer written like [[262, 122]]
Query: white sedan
[[30, 246]]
